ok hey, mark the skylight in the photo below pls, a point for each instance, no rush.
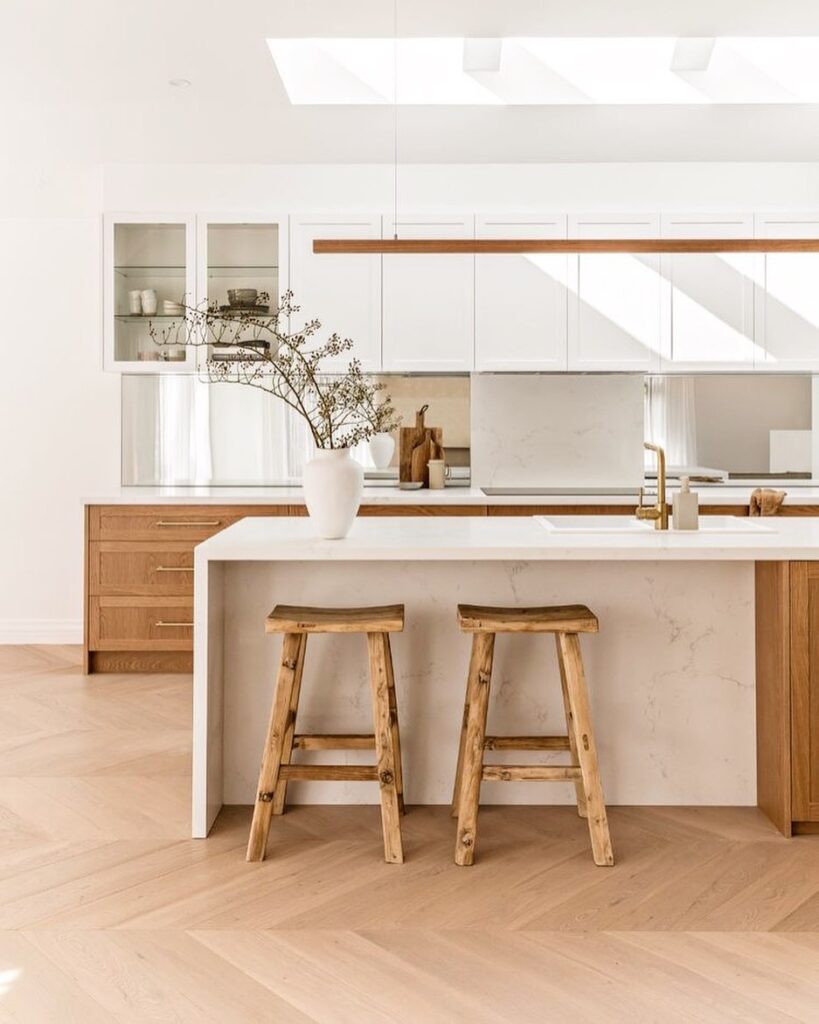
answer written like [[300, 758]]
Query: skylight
[[456, 71]]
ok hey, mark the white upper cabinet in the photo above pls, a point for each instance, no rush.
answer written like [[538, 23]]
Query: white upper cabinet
[[149, 274], [343, 290], [428, 299], [708, 297], [521, 300], [787, 299], [615, 303]]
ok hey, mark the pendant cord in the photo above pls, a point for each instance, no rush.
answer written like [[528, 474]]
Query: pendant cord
[[395, 118]]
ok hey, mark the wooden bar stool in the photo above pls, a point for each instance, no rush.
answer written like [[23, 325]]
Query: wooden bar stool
[[566, 623], [276, 771]]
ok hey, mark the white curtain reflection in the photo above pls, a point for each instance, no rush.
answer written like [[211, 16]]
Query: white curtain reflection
[[670, 419], [183, 430], [180, 430]]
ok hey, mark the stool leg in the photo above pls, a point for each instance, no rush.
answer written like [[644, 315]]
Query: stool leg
[[586, 748], [459, 771], [578, 783], [280, 795], [273, 748], [378, 646], [469, 791], [396, 734]]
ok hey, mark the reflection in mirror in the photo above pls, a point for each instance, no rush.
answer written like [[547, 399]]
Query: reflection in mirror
[[733, 427]]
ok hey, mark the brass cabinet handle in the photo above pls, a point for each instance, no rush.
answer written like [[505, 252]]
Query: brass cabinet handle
[[174, 568], [190, 522], [173, 623]]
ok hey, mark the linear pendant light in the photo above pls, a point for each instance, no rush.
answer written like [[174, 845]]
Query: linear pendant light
[[570, 245]]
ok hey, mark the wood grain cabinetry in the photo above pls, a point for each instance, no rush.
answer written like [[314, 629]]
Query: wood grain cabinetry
[[787, 683], [139, 581]]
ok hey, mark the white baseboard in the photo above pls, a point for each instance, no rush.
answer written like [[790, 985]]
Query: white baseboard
[[40, 631]]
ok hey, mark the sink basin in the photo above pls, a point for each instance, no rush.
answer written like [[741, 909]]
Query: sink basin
[[725, 525]]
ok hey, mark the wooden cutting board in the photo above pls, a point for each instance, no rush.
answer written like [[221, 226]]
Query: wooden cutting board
[[416, 446]]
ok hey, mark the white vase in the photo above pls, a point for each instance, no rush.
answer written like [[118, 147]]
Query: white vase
[[333, 482], [382, 447]]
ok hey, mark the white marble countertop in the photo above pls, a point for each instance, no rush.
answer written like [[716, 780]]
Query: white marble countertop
[[504, 538], [391, 495]]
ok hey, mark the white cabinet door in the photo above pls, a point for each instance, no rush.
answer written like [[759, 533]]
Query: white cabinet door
[[429, 299], [149, 263], [708, 297], [342, 291], [521, 300], [787, 299], [615, 299]]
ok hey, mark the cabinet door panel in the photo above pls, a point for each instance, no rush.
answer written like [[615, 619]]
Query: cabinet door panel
[[787, 299], [521, 300], [709, 324], [805, 690], [342, 291], [429, 300], [615, 303]]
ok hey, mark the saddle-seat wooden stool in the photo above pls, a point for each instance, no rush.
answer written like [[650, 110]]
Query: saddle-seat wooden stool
[[276, 771], [566, 623]]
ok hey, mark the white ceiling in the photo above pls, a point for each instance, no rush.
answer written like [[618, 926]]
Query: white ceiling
[[88, 80]]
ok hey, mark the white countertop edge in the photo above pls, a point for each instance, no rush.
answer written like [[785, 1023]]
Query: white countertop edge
[[393, 496], [501, 538]]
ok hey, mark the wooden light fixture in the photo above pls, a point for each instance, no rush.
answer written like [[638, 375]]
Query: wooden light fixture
[[571, 245]]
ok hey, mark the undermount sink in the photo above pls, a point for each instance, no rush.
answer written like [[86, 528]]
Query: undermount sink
[[630, 525]]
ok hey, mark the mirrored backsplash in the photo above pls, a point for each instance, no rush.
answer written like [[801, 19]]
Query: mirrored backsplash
[[181, 430], [178, 429]]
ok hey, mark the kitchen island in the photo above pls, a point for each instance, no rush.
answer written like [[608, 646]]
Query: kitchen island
[[675, 683]]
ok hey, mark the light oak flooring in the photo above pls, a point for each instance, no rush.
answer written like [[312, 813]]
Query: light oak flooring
[[109, 913]]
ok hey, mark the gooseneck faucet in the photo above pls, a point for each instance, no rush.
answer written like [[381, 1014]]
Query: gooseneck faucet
[[658, 512]]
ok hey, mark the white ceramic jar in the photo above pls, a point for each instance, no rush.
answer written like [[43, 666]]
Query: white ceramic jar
[[333, 483], [382, 447]]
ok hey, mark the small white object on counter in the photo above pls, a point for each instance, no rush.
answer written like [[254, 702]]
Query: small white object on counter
[[685, 507]]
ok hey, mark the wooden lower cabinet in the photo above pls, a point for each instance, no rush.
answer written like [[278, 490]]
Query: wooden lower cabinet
[[787, 687], [139, 581]]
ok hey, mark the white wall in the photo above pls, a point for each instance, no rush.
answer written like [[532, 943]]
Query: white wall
[[59, 412]]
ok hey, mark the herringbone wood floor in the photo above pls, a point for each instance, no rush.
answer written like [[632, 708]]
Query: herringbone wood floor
[[109, 913]]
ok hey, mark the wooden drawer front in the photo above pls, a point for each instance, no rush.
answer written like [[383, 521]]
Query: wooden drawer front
[[122, 522], [170, 522], [140, 569], [141, 624]]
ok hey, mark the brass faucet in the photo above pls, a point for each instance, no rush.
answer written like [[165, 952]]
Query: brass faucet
[[658, 512]]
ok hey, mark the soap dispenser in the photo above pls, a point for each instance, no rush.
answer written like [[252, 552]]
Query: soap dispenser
[[686, 507]]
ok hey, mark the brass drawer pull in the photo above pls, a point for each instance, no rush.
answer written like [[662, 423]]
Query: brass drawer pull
[[173, 623], [174, 568], [190, 522]]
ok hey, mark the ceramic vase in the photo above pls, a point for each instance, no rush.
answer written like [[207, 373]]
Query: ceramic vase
[[333, 483], [382, 447]]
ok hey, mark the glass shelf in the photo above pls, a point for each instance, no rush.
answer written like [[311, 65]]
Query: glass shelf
[[150, 271], [145, 317]]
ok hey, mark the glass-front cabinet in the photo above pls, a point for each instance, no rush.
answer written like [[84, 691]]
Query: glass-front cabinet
[[242, 272], [150, 277], [157, 266]]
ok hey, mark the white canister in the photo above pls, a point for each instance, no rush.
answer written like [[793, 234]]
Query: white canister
[[135, 302], [333, 483], [148, 297], [438, 473]]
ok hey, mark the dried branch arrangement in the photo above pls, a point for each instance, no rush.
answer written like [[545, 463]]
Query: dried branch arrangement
[[257, 349]]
